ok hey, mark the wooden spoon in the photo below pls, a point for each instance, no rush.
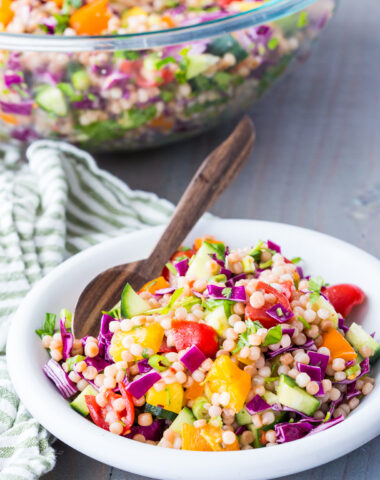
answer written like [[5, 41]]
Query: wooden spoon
[[213, 176]]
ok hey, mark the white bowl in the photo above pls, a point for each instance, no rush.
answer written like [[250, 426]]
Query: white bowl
[[335, 260]]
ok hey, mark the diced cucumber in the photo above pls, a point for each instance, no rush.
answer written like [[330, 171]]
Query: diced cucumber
[[196, 64], [256, 436], [248, 264], [323, 303], [291, 395], [243, 417], [52, 100], [216, 421], [279, 417], [160, 412], [270, 398], [131, 303], [199, 409], [198, 267], [359, 338], [184, 416], [80, 80], [217, 319], [79, 404], [227, 44]]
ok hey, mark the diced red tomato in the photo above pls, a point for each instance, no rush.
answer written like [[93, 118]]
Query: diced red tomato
[[98, 413], [167, 76], [344, 297], [203, 336], [164, 347], [260, 314], [130, 66]]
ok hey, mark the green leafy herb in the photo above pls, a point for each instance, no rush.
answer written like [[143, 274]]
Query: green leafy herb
[[296, 260], [274, 335], [126, 55], [315, 285], [252, 328], [115, 312], [189, 302], [103, 131], [68, 4], [145, 353], [256, 252], [226, 292], [271, 379], [302, 20], [273, 43], [167, 96], [165, 61], [62, 23], [171, 268], [67, 315], [136, 117], [70, 362], [304, 322], [48, 326]]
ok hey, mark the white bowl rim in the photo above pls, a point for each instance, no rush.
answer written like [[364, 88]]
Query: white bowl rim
[[289, 458]]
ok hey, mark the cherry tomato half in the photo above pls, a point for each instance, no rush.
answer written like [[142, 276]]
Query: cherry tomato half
[[203, 336], [344, 297]]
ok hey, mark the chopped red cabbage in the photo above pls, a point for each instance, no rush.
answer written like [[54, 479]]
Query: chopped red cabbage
[[256, 405], [226, 272], [314, 372], [67, 339], [235, 294], [105, 336], [341, 325], [287, 432], [139, 387], [164, 291], [309, 345], [336, 404], [231, 282], [273, 246], [279, 313], [182, 267], [56, 374], [325, 425], [193, 358], [151, 432], [240, 429], [116, 79], [300, 272], [364, 369], [98, 362], [12, 78], [23, 108], [217, 260], [319, 360], [352, 391], [24, 134], [288, 331], [144, 366]]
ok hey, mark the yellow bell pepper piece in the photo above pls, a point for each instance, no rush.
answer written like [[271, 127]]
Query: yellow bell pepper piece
[[207, 438], [171, 398], [226, 376], [6, 13], [196, 390], [150, 336], [134, 12]]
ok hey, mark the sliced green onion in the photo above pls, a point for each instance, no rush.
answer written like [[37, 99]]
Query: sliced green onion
[[304, 323], [159, 362]]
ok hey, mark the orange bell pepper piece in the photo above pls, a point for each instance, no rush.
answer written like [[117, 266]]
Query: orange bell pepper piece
[[198, 242], [196, 390], [59, 3], [338, 345], [154, 285], [8, 118], [6, 13], [91, 19], [162, 123], [168, 20]]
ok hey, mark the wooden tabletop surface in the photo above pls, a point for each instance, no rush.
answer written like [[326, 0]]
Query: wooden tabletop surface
[[316, 164]]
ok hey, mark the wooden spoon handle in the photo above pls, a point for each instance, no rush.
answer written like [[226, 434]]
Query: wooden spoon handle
[[213, 176]]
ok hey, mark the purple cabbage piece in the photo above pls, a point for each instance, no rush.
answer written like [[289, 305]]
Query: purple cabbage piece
[[67, 340], [300, 272], [216, 259], [256, 405], [193, 358], [231, 282], [144, 366], [116, 79], [14, 61], [288, 331], [240, 429], [182, 267], [151, 432], [350, 364], [139, 387], [237, 293], [283, 317], [22, 108], [309, 345], [24, 134], [314, 372], [283, 408], [102, 70], [325, 425], [364, 369], [272, 245], [12, 78], [287, 432], [319, 360], [164, 291], [56, 374], [336, 404], [105, 336], [341, 325], [226, 272], [352, 391], [98, 362]]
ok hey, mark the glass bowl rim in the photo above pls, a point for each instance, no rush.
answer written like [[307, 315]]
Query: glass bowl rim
[[269, 11]]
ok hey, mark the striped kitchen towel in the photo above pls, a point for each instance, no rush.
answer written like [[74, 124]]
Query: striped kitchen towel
[[53, 205]]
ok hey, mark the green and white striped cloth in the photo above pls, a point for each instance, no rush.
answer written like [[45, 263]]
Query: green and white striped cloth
[[53, 205]]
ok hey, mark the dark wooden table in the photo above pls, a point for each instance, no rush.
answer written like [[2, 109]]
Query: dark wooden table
[[316, 164]]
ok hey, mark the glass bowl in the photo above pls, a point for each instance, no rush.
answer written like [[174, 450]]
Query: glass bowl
[[125, 92]]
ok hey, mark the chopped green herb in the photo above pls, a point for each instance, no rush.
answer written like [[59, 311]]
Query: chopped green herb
[[226, 292], [171, 268], [271, 379], [48, 326], [274, 335], [304, 322], [273, 43], [252, 328], [296, 260], [126, 55], [145, 353], [70, 362], [302, 20], [165, 61]]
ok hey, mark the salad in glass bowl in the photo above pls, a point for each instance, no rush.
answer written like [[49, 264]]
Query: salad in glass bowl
[[113, 75], [229, 349]]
